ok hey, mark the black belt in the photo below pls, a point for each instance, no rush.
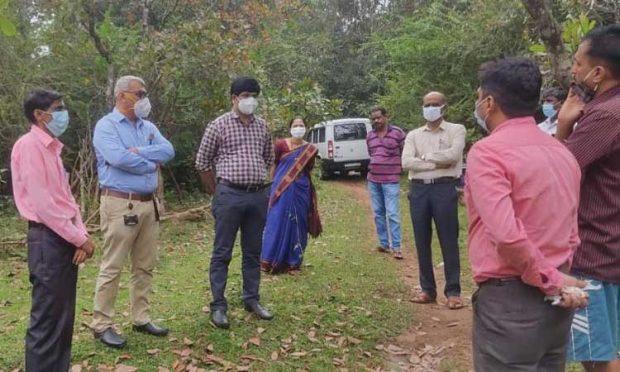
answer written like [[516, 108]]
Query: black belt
[[501, 281], [246, 188], [433, 180]]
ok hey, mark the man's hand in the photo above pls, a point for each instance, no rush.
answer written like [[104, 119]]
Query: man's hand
[[88, 247], [133, 150], [571, 111], [208, 181], [573, 296], [79, 256]]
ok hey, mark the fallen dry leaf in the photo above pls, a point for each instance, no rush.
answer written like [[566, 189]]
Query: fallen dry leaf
[[76, 368], [210, 348], [243, 368], [274, 356], [298, 354], [252, 358], [103, 368], [254, 341], [312, 336], [353, 340], [162, 369], [124, 368], [435, 319], [206, 309], [367, 354], [187, 341], [260, 330], [153, 351]]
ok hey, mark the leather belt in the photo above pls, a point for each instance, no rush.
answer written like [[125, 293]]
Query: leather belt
[[246, 188], [564, 268], [126, 195], [433, 180]]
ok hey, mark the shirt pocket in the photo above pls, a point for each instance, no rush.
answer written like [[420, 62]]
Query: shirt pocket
[[444, 143]]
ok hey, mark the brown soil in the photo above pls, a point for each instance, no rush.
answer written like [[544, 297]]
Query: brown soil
[[439, 339]]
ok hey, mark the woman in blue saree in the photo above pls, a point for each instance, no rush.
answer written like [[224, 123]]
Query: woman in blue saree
[[292, 211]]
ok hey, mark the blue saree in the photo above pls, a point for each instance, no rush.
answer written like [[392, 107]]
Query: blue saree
[[292, 198]]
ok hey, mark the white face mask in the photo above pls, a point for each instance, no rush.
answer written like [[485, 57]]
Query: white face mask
[[142, 108], [432, 113], [298, 132], [247, 106]]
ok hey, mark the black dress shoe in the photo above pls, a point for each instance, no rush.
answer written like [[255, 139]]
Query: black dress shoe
[[151, 329], [220, 319], [260, 311], [110, 338]]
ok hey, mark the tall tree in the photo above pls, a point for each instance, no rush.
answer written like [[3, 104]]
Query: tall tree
[[550, 32]]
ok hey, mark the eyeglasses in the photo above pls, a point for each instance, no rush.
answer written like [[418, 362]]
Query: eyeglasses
[[138, 93]]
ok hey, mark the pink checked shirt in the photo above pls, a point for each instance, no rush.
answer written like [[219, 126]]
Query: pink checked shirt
[[522, 195], [40, 186]]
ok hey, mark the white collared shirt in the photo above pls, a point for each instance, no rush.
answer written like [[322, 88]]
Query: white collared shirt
[[548, 126]]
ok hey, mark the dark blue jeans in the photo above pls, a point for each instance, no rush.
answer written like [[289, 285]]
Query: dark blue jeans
[[53, 277], [439, 203], [236, 210]]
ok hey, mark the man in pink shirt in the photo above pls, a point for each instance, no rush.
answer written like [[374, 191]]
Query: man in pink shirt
[[522, 195], [57, 238]]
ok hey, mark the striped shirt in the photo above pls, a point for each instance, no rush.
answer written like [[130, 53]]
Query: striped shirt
[[239, 154], [595, 143], [385, 153]]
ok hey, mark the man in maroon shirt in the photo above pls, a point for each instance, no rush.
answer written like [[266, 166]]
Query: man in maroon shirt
[[589, 124]]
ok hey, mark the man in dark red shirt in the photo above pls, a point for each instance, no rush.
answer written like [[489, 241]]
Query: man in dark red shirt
[[589, 124]]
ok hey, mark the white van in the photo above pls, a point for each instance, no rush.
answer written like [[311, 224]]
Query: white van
[[342, 146]]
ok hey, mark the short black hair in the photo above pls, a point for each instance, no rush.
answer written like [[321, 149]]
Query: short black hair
[[290, 123], [39, 99], [557, 93], [605, 45], [244, 84], [514, 83], [379, 108]]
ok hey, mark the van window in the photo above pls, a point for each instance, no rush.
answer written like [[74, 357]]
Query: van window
[[315, 135], [321, 135], [309, 136], [350, 132]]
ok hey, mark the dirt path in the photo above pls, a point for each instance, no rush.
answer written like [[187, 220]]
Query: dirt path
[[439, 339]]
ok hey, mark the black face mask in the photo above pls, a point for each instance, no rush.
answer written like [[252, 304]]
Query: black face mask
[[583, 91]]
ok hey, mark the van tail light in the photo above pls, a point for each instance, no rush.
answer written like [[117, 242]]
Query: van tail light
[[330, 149]]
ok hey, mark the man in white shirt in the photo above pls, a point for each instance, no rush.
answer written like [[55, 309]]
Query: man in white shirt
[[552, 101], [433, 154]]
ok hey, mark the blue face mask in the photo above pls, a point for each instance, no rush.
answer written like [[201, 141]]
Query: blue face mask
[[549, 110], [59, 123]]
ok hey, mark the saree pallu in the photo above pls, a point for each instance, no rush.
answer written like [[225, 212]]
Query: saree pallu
[[291, 203]]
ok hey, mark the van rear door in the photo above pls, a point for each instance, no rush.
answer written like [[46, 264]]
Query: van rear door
[[350, 142]]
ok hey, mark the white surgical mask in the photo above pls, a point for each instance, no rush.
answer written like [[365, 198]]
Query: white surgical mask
[[432, 113], [248, 105], [142, 108], [480, 121], [298, 132]]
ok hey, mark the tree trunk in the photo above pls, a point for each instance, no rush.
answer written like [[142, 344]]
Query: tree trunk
[[550, 33]]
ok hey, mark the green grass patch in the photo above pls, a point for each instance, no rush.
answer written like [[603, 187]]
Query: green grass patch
[[347, 299]]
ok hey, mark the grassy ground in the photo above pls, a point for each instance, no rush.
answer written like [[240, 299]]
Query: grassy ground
[[347, 299]]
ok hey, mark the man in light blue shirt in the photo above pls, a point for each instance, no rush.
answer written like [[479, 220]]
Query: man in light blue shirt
[[130, 151]]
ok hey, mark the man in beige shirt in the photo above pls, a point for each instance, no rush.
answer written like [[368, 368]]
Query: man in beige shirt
[[433, 155]]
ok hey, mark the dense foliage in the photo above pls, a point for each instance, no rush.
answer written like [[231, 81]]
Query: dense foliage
[[317, 58]]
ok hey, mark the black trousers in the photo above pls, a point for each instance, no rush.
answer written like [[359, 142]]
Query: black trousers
[[236, 210], [53, 277], [439, 203], [516, 330]]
